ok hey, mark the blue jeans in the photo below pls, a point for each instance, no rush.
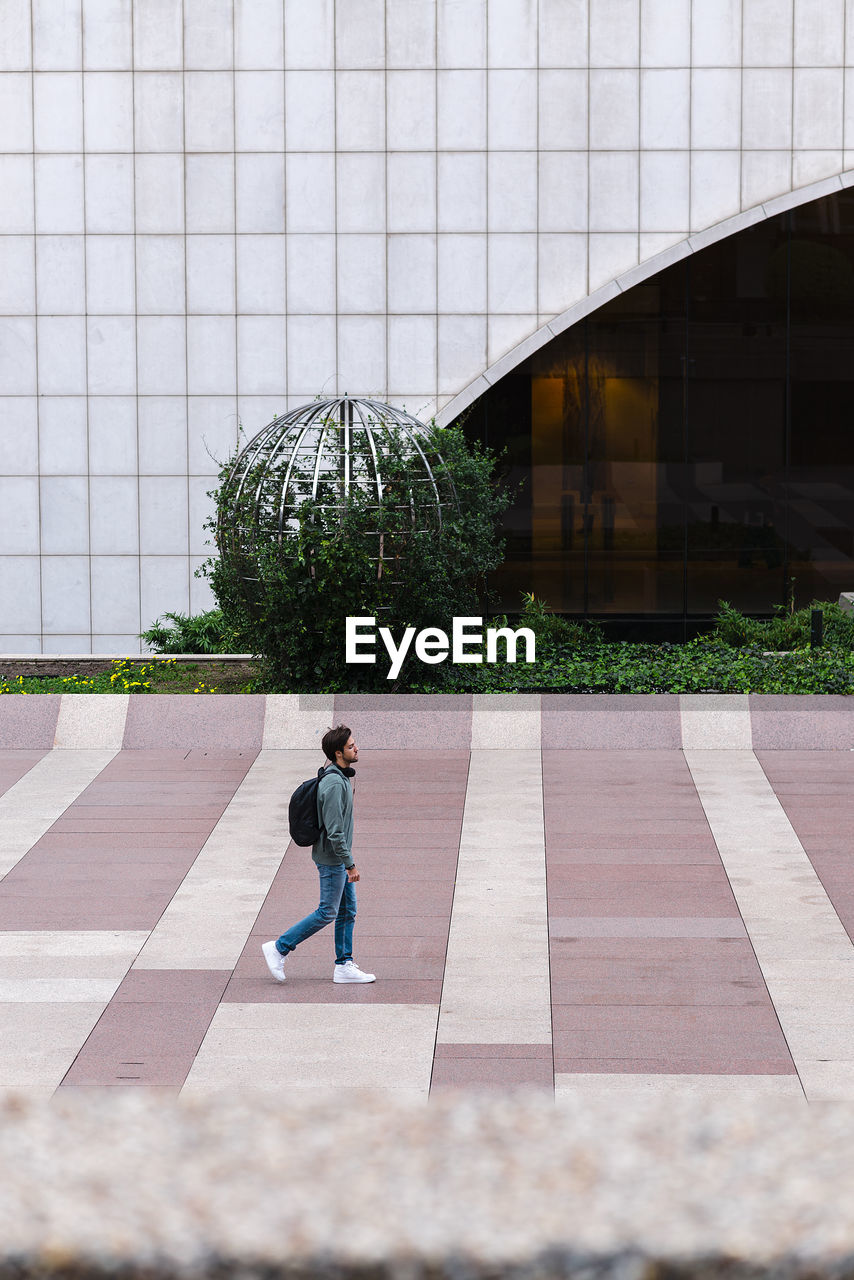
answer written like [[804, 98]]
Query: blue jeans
[[338, 903]]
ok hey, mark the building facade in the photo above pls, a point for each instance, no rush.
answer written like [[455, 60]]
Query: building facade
[[214, 210]]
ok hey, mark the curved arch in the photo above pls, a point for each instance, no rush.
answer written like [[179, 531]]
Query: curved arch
[[636, 275]]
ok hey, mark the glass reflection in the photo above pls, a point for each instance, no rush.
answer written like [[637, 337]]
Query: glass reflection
[[691, 441]]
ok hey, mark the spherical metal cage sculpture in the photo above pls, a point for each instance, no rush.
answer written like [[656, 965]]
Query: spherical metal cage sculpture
[[326, 452]]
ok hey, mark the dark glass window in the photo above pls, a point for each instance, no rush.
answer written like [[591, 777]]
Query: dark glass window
[[693, 439]]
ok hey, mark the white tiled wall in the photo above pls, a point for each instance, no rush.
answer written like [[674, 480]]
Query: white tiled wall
[[213, 210]]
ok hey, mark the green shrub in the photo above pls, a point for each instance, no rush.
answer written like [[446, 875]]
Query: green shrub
[[195, 633], [786, 630], [551, 630], [291, 600], [698, 667]]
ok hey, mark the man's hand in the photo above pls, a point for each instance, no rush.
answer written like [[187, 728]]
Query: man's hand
[[352, 875]]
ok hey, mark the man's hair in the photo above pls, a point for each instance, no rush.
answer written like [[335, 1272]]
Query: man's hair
[[335, 740]]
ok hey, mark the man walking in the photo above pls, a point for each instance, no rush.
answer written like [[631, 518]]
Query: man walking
[[333, 855]]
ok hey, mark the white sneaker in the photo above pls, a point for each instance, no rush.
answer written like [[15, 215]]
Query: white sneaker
[[350, 972], [275, 960]]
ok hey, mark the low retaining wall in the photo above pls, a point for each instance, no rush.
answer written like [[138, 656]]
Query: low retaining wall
[[268, 1187], [250, 722]]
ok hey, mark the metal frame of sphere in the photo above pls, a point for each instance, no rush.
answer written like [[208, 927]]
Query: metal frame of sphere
[[322, 451]]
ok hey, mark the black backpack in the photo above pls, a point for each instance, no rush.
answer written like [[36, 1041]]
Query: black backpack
[[303, 819]]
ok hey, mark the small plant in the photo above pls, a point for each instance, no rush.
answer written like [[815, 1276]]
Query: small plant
[[192, 633], [551, 629], [788, 630]]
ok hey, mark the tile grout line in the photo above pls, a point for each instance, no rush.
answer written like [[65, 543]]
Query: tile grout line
[[800, 944]]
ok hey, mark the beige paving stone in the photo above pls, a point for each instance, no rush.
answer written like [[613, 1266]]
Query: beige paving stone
[[624, 1088], [796, 934], [481, 937], [829, 1080], [502, 722], [297, 722], [497, 898], [826, 966], [518, 992], [210, 917], [817, 997], [315, 1046], [31, 807], [301, 1094], [58, 990], [39, 1041], [91, 720], [528, 960], [108, 947], [715, 721], [499, 912]]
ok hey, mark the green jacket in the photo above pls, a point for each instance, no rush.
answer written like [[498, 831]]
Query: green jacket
[[335, 807]]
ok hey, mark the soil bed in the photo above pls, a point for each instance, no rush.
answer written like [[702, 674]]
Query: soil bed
[[184, 675]]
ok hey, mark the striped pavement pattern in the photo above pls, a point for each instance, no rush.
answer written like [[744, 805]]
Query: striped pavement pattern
[[591, 896]]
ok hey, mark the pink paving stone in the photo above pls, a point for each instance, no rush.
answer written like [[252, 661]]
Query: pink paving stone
[[281, 912], [406, 826], [320, 989], [615, 722], [151, 1030], [543, 1052], [154, 794], [592, 879], [419, 947], [811, 825], [676, 988], [389, 843], [420, 722], [28, 722], [116, 843], [652, 950], [623, 828], [591, 926], [416, 872], [183, 812], [723, 1064], [651, 1030], [309, 975], [822, 824], [54, 887], [835, 855], [15, 764], [491, 1073], [578, 816], [649, 847], [376, 946], [80, 822], [81, 912], [679, 884], [645, 904], [798, 722], [171, 986], [167, 720], [700, 853]]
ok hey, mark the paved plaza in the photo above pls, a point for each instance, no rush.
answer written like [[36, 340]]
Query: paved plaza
[[590, 895]]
